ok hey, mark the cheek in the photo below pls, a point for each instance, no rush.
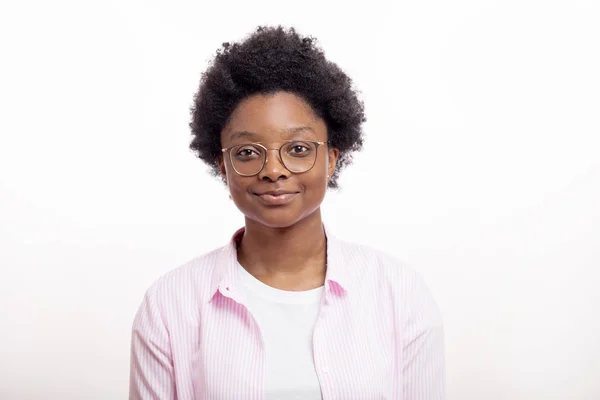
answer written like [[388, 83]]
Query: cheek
[[321, 171], [240, 198], [236, 188], [316, 185], [235, 183]]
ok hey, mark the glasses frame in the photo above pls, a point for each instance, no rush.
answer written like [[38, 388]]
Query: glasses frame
[[261, 144]]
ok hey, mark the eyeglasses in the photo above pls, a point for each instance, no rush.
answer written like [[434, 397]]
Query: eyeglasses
[[297, 156]]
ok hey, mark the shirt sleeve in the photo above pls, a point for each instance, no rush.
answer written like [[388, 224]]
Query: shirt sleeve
[[151, 368], [423, 355]]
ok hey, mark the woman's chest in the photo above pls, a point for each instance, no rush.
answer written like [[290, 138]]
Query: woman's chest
[[351, 348]]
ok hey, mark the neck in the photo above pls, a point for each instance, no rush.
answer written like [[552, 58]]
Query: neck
[[295, 251]]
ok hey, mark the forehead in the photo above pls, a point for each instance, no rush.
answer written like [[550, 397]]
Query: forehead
[[273, 117]]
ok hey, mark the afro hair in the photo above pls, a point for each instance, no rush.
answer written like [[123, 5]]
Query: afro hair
[[276, 59]]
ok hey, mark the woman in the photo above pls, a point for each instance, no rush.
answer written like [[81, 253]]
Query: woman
[[285, 310]]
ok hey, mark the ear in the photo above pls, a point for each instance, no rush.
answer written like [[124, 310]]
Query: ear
[[221, 164], [333, 155]]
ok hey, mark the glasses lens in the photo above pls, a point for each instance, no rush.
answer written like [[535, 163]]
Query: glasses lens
[[299, 156], [247, 159]]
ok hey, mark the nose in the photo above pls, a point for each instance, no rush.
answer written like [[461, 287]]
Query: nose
[[273, 170]]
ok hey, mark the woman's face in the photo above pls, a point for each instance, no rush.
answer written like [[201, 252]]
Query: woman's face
[[272, 120]]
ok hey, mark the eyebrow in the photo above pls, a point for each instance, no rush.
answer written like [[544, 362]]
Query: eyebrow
[[298, 129], [241, 134], [287, 131]]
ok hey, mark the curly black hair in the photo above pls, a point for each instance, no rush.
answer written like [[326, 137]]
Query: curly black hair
[[276, 59]]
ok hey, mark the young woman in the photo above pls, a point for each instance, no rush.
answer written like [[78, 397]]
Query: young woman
[[285, 310]]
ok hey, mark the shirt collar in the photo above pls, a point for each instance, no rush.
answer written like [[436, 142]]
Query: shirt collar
[[224, 279], [338, 268]]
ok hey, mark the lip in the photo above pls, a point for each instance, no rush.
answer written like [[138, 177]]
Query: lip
[[276, 197]]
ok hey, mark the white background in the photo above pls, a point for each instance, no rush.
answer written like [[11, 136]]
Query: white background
[[481, 169]]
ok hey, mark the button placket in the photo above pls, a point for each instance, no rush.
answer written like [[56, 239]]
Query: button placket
[[320, 352], [240, 298]]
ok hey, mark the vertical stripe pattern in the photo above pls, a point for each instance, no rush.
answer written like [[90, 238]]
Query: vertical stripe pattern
[[378, 335]]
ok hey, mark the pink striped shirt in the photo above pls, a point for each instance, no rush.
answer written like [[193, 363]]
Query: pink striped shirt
[[378, 335]]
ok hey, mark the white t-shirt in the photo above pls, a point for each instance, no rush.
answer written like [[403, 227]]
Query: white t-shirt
[[286, 320]]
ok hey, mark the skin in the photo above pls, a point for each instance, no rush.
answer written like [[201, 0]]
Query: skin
[[283, 245]]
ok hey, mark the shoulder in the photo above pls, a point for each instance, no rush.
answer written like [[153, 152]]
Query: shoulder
[[367, 261], [384, 273], [188, 283]]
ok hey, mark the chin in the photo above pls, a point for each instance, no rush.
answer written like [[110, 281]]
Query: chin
[[275, 219], [280, 217]]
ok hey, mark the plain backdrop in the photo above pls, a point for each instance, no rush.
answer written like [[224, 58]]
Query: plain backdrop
[[481, 169]]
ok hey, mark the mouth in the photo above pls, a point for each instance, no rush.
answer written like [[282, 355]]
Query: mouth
[[277, 197]]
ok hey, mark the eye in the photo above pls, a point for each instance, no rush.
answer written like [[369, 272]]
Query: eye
[[299, 149], [247, 153]]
